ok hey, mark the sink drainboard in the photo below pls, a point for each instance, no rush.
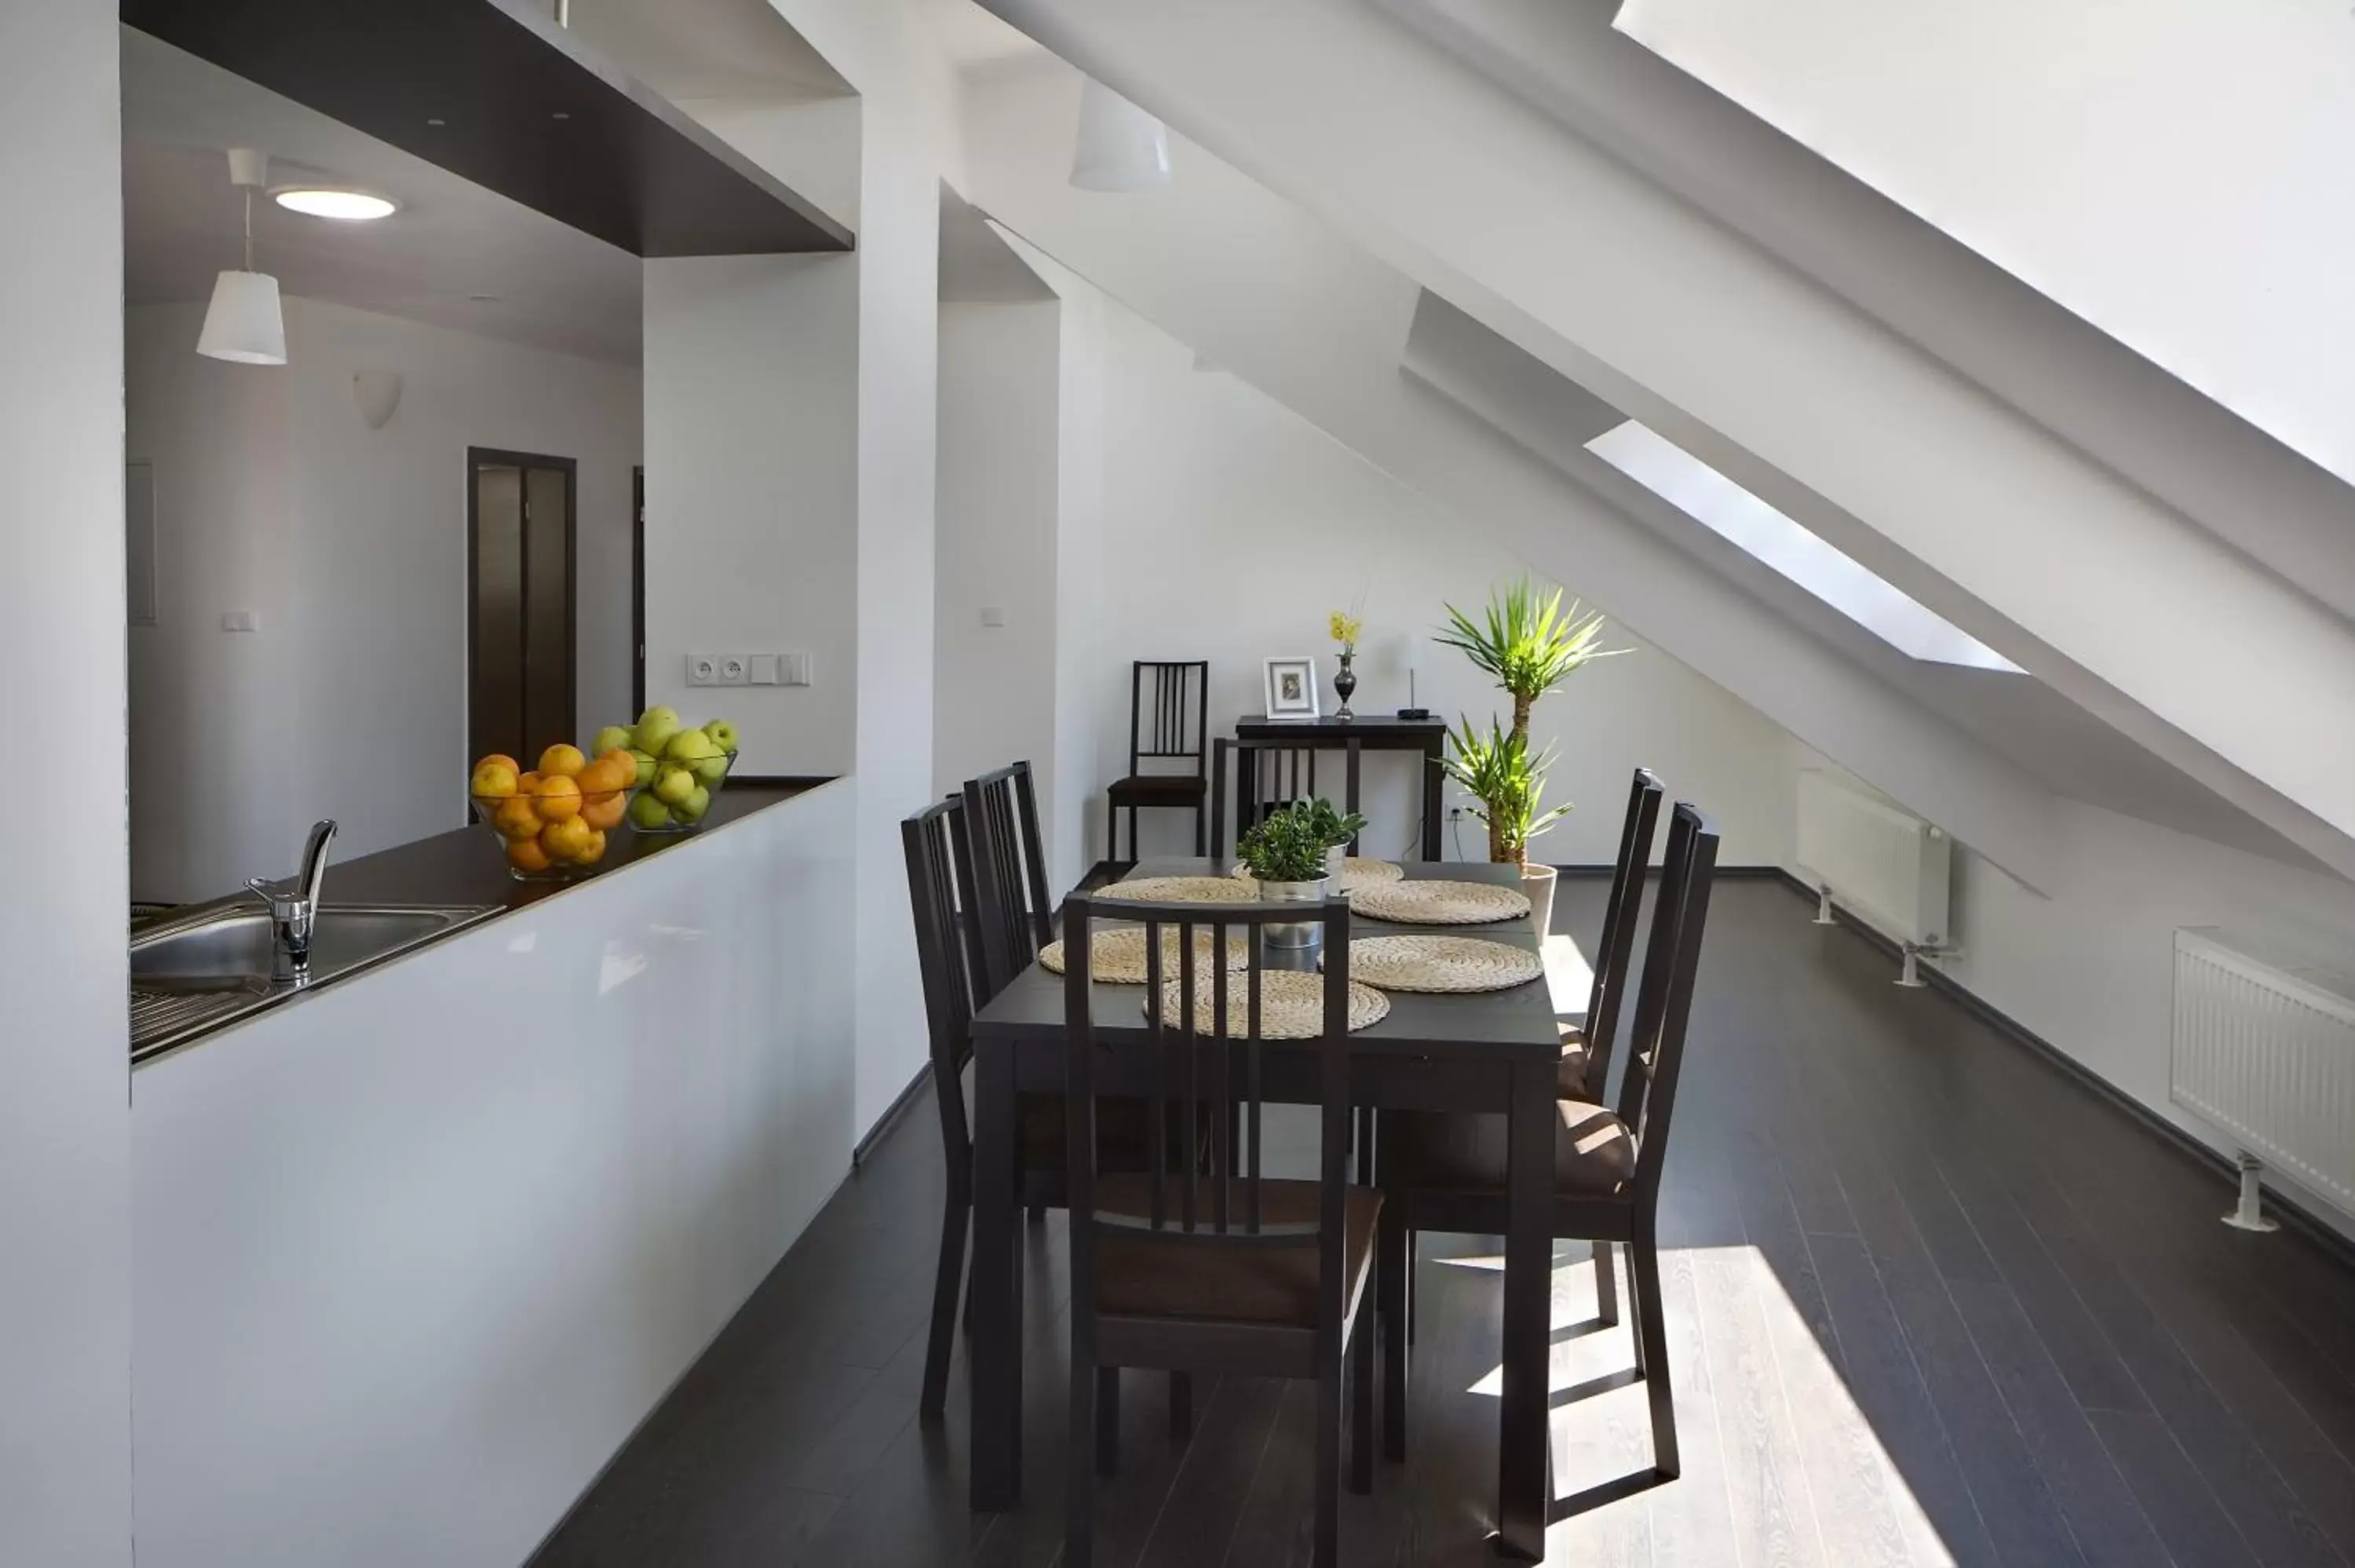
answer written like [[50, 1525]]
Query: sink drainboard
[[157, 1014]]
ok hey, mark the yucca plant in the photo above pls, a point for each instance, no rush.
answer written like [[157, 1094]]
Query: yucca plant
[[1506, 785], [1528, 643]]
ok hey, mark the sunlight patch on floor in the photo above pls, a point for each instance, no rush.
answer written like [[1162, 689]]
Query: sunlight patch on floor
[[1757, 1394]]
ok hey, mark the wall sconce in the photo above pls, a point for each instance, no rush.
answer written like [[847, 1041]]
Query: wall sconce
[[377, 394]]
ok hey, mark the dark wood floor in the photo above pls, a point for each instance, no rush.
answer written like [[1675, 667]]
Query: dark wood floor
[[1931, 1302]]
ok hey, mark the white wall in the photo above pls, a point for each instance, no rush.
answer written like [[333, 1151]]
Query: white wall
[[65, 1331], [751, 495], [1001, 414], [415, 1256], [2203, 216], [349, 544], [1230, 528]]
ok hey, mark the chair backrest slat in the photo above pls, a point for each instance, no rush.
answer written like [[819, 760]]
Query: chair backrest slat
[[1204, 1128], [1268, 774], [1174, 724], [1620, 918], [1010, 909], [1664, 1004], [932, 841]]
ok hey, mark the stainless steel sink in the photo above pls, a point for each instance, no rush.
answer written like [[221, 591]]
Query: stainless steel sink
[[202, 970]]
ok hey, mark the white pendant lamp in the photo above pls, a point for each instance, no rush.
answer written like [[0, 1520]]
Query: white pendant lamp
[[244, 324], [1119, 146]]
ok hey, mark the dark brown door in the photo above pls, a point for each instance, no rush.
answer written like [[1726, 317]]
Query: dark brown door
[[522, 578]]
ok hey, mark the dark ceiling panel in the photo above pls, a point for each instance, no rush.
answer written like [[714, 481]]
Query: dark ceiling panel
[[524, 109]]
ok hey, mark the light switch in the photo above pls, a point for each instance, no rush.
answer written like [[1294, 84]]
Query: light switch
[[240, 621], [992, 615], [795, 669], [763, 669]]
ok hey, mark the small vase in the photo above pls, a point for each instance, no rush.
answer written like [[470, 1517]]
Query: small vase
[[1345, 682], [1537, 882]]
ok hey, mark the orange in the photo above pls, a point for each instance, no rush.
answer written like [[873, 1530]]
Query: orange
[[493, 780], [602, 775], [557, 800], [625, 760], [525, 855], [567, 839], [515, 819], [595, 850], [502, 759], [564, 760], [527, 783], [604, 811]]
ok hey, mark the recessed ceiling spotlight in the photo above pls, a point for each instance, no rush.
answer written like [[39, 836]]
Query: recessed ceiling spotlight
[[560, 114], [350, 206], [437, 123], [483, 299]]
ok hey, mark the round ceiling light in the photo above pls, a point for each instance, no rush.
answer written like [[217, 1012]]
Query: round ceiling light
[[351, 207]]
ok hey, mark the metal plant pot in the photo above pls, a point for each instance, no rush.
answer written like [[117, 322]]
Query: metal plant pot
[[1300, 933]]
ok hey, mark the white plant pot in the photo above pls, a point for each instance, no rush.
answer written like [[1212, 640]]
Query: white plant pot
[[1305, 933], [1537, 882]]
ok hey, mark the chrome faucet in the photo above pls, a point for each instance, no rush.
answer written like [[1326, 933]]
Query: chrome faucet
[[293, 912]]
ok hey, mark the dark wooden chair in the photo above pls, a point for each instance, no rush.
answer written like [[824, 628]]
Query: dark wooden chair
[[1012, 912], [1170, 723], [1446, 1172], [1201, 1263], [1267, 775]]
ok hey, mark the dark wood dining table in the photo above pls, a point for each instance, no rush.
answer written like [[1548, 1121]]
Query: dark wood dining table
[[1494, 1053]]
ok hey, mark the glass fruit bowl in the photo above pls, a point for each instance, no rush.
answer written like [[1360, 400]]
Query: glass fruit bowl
[[678, 796], [552, 826]]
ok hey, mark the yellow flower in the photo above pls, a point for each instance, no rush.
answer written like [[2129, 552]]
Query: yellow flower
[[1344, 627]]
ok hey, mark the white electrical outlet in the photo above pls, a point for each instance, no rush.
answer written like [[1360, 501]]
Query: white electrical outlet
[[734, 670], [703, 669]]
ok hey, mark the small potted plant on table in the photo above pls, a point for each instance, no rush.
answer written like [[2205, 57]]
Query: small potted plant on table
[[1336, 828], [1286, 852]]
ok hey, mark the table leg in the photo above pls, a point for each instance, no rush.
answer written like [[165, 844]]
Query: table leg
[[994, 1354], [1525, 1471], [1431, 794]]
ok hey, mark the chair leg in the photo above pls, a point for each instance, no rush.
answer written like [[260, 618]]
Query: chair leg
[[1080, 1466], [1606, 1287], [1413, 1272], [948, 1285], [1112, 830], [1635, 1311], [1329, 1464], [1181, 1406], [1201, 833], [1652, 1333], [1393, 1281], [1135, 849], [1361, 1403], [1107, 1421]]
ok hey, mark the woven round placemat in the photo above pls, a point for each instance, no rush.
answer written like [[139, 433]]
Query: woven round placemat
[[1181, 890], [1443, 964], [1439, 903], [1356, 870], [1291, 1005], [1117, 955]]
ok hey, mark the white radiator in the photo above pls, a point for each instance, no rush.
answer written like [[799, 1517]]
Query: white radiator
[[1884, 865], [2265, 1048]]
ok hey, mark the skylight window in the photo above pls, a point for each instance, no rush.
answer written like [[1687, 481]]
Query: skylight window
[[1740, 518]]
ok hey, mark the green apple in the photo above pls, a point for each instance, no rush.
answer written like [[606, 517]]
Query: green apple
[[656, 726], [673, 785], [647, 812], [613, 737], [645, 766], [691, 809], [722, 734], [689, 746]]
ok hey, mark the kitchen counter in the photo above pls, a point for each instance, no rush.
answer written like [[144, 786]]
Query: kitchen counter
[[459, 875], [496, 1194]]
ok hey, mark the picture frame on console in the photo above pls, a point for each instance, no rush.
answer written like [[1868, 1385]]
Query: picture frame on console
[[1291, 687]]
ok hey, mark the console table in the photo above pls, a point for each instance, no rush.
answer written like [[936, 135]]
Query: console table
[[1385, 732]]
